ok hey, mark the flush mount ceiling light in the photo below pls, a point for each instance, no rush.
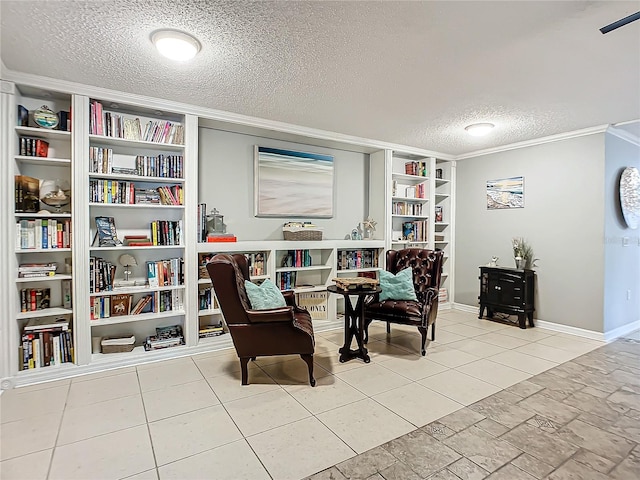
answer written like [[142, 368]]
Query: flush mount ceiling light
[[175, 45], [479, 129]]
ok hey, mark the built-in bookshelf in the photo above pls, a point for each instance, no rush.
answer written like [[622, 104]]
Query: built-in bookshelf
[[135, 192], [152, 178], [443, 215], [38, 176]]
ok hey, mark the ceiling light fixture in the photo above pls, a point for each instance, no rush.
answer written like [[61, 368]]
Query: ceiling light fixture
[[175, 45], [479, 129]]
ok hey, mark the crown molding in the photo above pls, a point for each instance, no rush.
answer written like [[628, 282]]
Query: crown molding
[[537, 141], [337, 140], [623, 134]]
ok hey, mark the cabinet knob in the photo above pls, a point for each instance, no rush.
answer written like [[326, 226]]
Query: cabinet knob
[[497, 287]]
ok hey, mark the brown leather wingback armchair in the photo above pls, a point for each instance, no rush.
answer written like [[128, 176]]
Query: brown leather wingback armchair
[[427, 268], [256, 333]]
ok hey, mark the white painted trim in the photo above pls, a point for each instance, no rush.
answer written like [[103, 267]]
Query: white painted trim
[[208, 113], [621, 331], [624, 135], [579, 332], [537, 141], [465, 308]]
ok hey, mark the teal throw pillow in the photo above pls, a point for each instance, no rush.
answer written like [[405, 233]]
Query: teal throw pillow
[[264, 296], [397, 287]]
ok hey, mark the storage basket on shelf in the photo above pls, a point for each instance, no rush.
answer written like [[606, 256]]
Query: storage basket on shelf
[[301, 233], [117, 344]]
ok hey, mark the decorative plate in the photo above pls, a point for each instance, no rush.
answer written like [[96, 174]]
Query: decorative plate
[[45, 117], [630, 196]]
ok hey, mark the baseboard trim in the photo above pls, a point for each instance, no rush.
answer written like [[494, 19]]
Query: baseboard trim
[[620, 331], [558, 327], [465, 308]]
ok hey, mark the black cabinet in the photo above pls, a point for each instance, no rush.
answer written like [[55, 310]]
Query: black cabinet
[[507, 290]]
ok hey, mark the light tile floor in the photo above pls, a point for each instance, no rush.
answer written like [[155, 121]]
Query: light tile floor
[[190, 417]]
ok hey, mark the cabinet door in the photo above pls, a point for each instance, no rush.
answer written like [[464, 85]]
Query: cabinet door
[[504, 289]]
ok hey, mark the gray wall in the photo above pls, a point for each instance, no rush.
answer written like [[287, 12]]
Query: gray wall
[[226, 183], [561, 218], [622, 263]]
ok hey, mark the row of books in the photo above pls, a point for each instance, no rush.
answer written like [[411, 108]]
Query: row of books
[[297, 258], [406, 208], [164, 273], [165, 337], [25, 119], [207, 299], [43, 233], [117, 125], [102, 274], [32, 299], [164, 166], [360, 258], [416, 168], [37, 270], [166, 232], [122, 304], [416, 191], [122, 192], [415, 231], [286, 280], [33, 147], [46, 341]]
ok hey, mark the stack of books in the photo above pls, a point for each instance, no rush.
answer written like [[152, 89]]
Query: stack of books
[[211, 331], [165, 337], [46, 341], [137, 241], [35, 270], [221, 237]]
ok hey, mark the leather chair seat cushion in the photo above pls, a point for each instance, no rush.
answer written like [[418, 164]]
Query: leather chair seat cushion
[[401, 309]]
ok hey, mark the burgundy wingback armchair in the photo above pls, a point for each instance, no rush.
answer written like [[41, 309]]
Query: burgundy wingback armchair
[[427, 268], [255, 333]]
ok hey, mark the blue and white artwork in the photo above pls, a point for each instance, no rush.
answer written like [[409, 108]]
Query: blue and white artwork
[[293, 184], [505, 193]]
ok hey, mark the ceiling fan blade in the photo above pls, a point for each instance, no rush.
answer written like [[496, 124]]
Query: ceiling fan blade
[[621, 22]]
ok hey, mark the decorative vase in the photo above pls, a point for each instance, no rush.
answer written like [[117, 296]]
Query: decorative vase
[[520, 262]]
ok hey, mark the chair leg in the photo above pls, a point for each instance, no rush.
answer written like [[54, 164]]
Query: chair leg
[[388, 327], [244, 361], [433, 332], [309, 359], [423, 332]]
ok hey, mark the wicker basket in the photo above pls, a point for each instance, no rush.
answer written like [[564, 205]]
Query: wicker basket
[[302, 234]]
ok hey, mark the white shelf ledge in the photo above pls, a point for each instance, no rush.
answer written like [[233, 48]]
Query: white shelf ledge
[[135, 178], [43, 133], [104, 140], [43, 160], [135, 318], [45, 312], [135, 289], [54, 278]]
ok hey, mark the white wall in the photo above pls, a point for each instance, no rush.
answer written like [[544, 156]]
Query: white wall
[[622, 263], [561, 218], [225, 182]]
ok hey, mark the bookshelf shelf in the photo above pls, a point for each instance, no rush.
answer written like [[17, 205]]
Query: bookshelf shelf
[[204, 281], [43, 133], [410, 199], [51, 278], [441, 224], [132, 290], [442, 181], [209, 311], [42, 161], [114, 141], [318, 288], [141, 317], [135, 178], [410, 216], [403, 177], [407, 242], [42, 215], [358, 270], [125, 248], [134, 205], [43, 250], [45, 312], [302, 269]]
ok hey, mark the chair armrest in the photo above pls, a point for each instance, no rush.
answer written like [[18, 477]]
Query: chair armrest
[[289, 297], [282, 314]]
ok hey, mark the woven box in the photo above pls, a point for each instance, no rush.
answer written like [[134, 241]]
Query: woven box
[[105, 347], [294, 233]]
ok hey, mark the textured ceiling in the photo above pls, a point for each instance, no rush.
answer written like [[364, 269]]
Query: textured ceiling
[[412, 73]]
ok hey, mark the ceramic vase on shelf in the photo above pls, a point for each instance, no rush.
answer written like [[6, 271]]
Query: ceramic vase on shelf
[[520, 262]]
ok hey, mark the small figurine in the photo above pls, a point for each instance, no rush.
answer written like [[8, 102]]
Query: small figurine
[[494, 262]]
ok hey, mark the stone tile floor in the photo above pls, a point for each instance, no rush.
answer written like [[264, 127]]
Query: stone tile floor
[[579, 420]]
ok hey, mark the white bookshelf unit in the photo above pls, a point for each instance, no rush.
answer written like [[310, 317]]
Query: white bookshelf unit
[[368, 168]]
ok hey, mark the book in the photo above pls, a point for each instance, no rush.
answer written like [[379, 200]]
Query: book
[[120, 304], [106, 232], [141, 304], [47, 323], [27, 194]]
